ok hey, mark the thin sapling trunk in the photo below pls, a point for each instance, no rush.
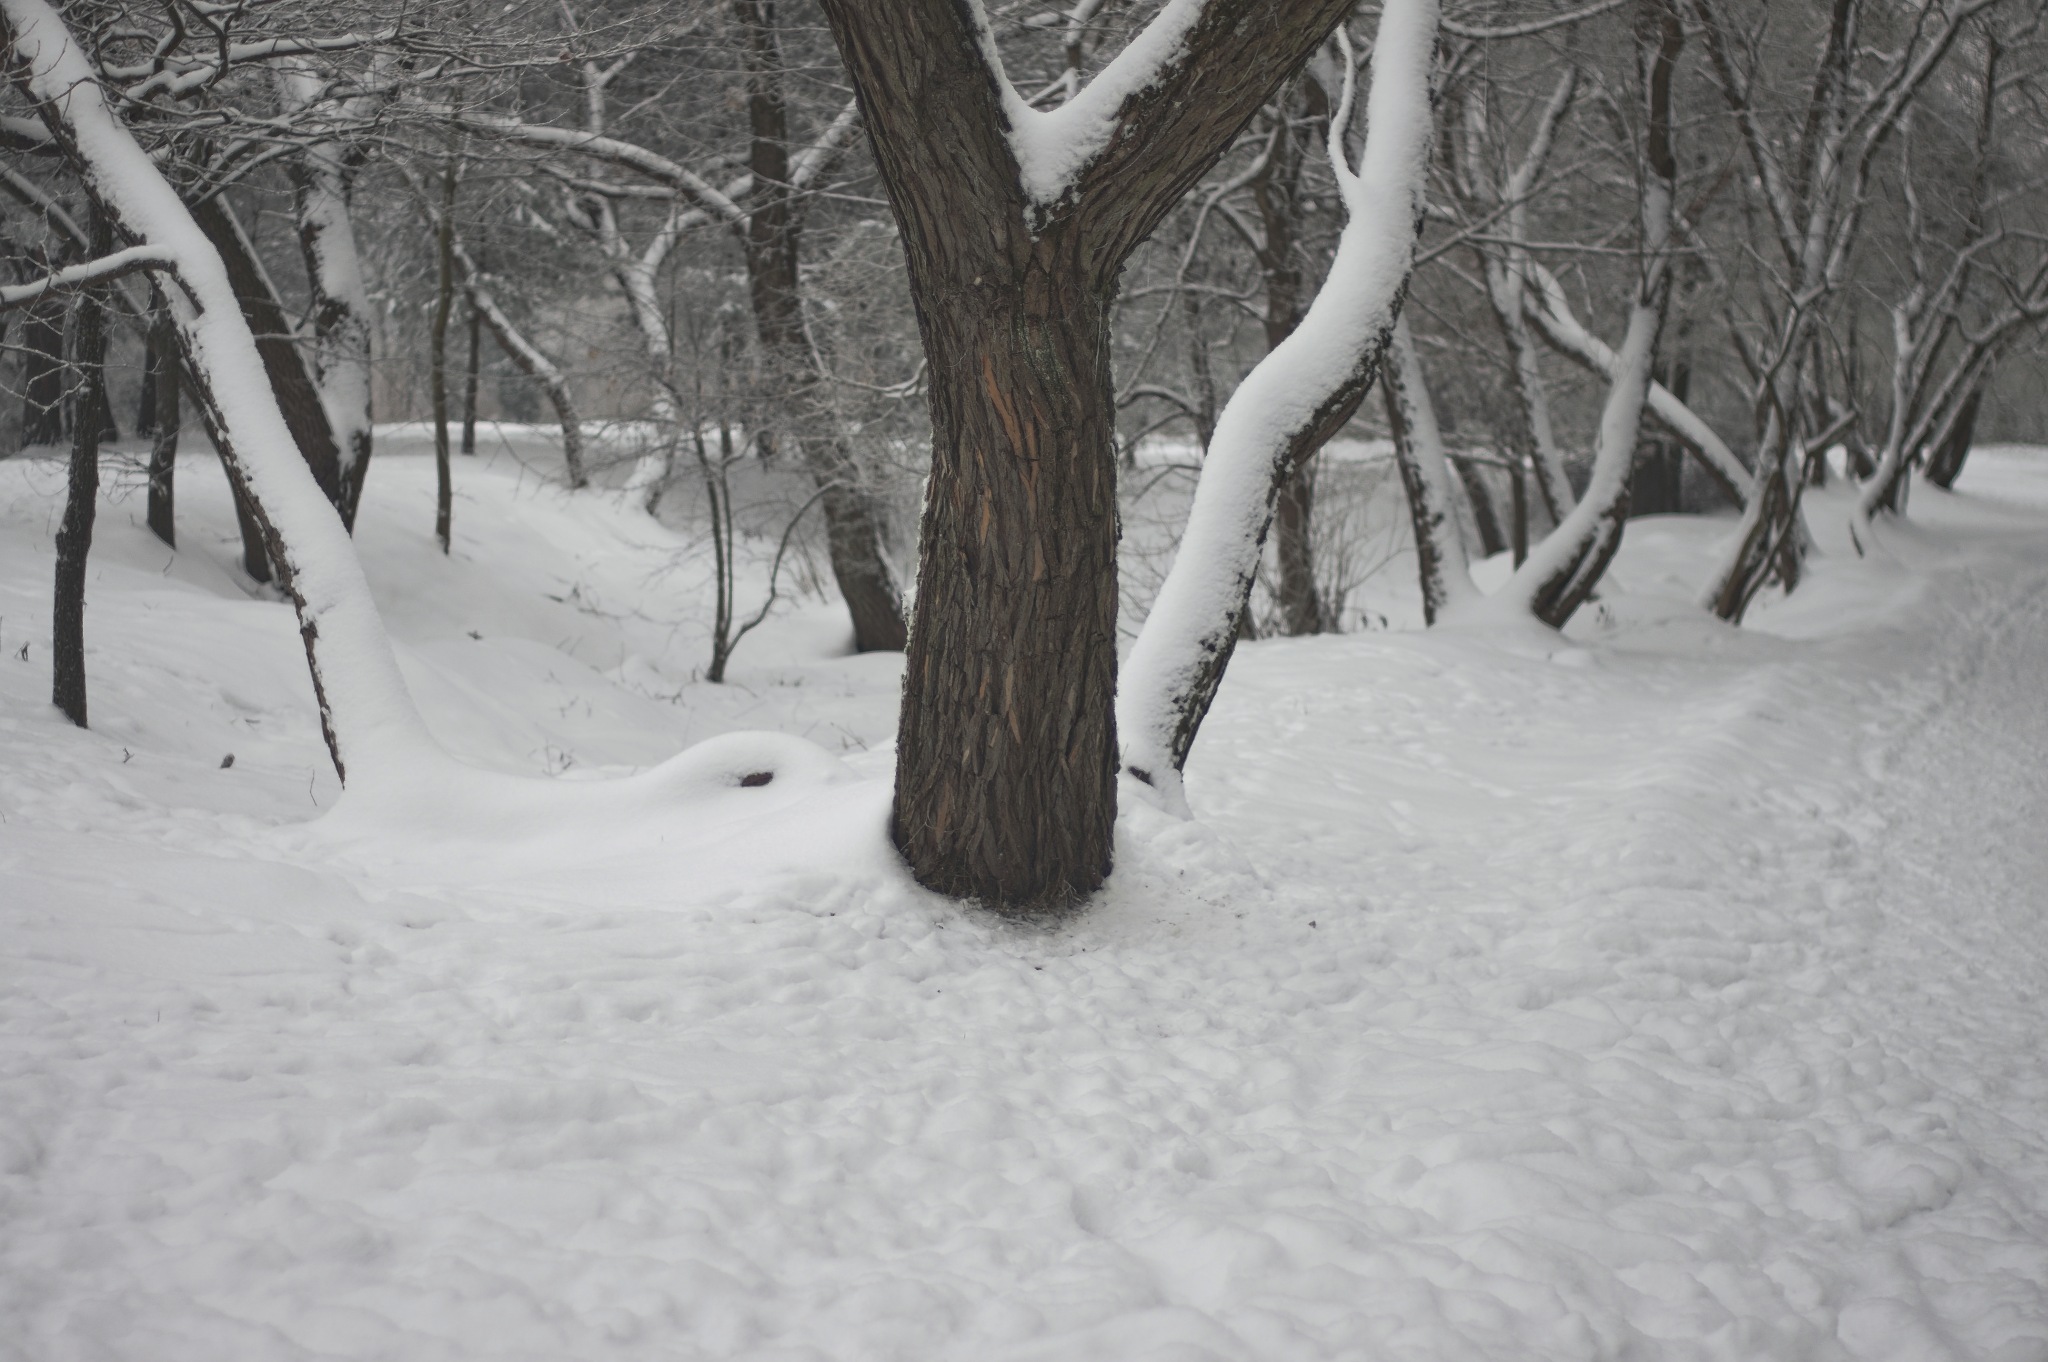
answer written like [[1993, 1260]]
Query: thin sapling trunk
[[444, 304], [165, 418], [74, 534]]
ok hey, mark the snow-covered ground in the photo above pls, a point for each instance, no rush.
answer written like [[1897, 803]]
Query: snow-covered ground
[[1668, 992]]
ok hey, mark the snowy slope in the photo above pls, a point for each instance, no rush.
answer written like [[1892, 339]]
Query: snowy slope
[[1670, 992]]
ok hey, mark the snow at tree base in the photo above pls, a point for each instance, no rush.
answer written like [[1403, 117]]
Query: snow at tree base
[[1661, 990]]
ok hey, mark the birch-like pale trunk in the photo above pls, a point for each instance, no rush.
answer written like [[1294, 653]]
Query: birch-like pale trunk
[[373, 731], [1504, 274], [323, 190]]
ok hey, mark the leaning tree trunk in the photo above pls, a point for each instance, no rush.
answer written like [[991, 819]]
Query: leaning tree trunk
[[1006, 752], [322, 177], [1945, 464], [369, 721], [529, 359], [1563, 570], [283, 364], [852, 529], [74, 535], [1294, 400]]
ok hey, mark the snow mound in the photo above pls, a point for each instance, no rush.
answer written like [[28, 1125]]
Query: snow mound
[[1668, 991]]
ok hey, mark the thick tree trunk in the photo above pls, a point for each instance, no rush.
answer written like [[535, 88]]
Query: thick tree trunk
[[163, 428], [1006, 752], [1769, 523], [1006, 769], [74, 534], [297, 396], [852, 529]]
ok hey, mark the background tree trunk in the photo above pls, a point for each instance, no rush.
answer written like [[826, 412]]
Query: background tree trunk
[[469, 380], [74, 535], [444, 304], [297, 396], [529, 360], [795, 381], [163, 426], [1946, 463]]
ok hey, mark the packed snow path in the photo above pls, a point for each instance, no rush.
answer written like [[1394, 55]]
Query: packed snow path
[[1670, 993]]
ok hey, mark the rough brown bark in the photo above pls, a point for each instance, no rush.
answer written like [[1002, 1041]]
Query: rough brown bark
[[283, 364], [74, 533], [1006, 752], [164, 420], [1301, 603], [795, 383], [530, 361]]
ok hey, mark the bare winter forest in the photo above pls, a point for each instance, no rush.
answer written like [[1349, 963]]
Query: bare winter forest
[[1182, 679]]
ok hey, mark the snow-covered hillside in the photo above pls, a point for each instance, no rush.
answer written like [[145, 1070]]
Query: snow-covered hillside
[[1668, 992]]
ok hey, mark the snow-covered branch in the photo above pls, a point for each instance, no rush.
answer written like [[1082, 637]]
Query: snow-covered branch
[[1530, 27], [1549, 309], [119, 265], [373, 730], [1320, 369]]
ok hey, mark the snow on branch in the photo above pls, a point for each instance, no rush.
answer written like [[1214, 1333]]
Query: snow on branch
[[1553, 316], [1055, 147], [1530, 27], [373, 731], [598, 147], [183, 78], [1309, 380], [119, 265]]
